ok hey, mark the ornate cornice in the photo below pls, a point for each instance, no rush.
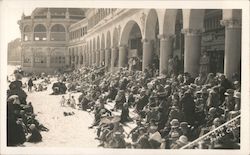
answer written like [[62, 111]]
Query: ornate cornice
[[231, 23]]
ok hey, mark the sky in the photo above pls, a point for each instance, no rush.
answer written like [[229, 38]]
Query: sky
[[14, 14]]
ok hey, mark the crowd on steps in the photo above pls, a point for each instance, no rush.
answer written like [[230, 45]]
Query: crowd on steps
[[136, 109]]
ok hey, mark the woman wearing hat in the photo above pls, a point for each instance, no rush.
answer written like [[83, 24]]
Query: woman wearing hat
[[182, 141]]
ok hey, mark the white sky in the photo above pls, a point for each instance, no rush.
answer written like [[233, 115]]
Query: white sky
[[14, 14]]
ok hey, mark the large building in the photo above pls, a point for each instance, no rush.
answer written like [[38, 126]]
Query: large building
[[54, 38], [14, 52]]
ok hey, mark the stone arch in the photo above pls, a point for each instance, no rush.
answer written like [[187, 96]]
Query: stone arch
[[27, 28], [193, 18], [126, 31], [40, 28], [27, 33], [58, 32], [57, 28], [151, 24], [131, 37], [40, 32], [169, 20]]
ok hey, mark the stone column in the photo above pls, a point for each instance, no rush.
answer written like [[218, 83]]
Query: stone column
[[114, 54], [90, 58], [147, 54], [123, 58], [93, 57], [107, 58], [32, 57], [102, 57], [98, 57], [232, 55], [67, 58], [84, 59], [48, 58], [72, 59], [76, 59], [166, 51], [192, 51]]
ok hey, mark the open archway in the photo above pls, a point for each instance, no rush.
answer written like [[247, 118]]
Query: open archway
[[151, 34], [132, 37]]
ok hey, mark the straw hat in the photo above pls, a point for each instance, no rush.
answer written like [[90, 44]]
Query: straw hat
[[183, 140], [175, 123]]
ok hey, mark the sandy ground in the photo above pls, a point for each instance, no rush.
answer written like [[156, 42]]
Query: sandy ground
[[69, 131]]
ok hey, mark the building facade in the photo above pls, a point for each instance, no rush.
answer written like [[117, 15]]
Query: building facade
[[14, 52], [44, 37], [112, 37]]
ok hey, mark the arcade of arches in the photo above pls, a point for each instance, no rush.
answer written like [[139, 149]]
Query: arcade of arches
[[152, 38]]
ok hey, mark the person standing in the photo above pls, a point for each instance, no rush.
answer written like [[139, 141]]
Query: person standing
[[63, 101], [30, 85]]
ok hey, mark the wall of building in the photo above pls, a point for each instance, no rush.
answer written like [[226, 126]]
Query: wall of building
[[14, 52]]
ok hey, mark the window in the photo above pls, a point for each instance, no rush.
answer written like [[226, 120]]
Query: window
[[40, 59], [40, 33], [27, 59], [27, 35], [58, 33]]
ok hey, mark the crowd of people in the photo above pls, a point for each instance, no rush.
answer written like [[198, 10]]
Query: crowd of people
[[165, 112], [138, 109], [22, 124]]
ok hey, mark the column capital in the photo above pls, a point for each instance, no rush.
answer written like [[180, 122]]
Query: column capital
[[124, 46], [166, 36], [192, 32], [145, 40], [114, 48], [231, 23]]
